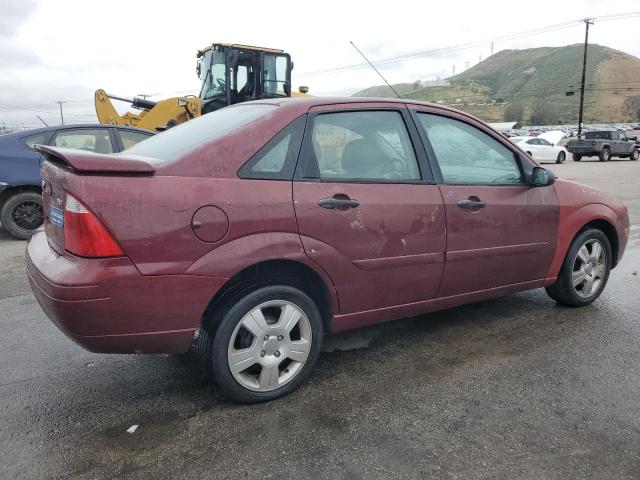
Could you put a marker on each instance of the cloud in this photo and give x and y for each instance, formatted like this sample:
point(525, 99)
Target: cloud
point(14, 14)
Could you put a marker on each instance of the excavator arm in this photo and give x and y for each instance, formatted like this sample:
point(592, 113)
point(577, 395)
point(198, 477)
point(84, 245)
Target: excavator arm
point(153, 116)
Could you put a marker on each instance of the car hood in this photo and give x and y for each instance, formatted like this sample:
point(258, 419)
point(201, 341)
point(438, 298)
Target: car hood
point(553, 136)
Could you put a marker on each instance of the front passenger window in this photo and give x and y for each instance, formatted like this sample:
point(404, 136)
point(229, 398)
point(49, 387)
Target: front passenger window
point(467, 155)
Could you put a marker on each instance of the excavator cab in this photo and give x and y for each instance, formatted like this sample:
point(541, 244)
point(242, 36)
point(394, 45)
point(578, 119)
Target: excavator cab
point(233, 74)
point(230, 74)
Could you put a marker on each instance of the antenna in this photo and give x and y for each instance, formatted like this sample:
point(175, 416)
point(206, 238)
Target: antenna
point(375, 69)
point(45, 123)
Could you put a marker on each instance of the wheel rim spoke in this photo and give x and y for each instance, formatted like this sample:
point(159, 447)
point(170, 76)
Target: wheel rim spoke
point(299, 350)
point(289, 317)
point(256, 323)
point(600, 271)
point(578, 277)
point(583, 254)
point(240, 360)
point(269, 377)
point(587, 285)
point(596, 250)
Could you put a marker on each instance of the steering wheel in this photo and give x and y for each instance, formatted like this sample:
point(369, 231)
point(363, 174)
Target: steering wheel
point(221, 83)
point(394, 168)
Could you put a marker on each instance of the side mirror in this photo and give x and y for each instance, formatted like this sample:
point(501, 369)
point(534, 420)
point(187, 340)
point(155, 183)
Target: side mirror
point(287, 89)
point(541, 177)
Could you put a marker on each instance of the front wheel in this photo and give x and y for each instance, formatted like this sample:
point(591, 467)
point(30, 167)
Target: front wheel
point(605, 155)
point(577, 157)
point(21, 214)
point(561, 157)
point(634, 155)
point(266, 344)
point(585, 270)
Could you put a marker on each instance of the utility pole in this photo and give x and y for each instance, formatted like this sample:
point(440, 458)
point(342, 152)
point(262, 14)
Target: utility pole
point(491, 47)
point(587, 21)
point(61, 116)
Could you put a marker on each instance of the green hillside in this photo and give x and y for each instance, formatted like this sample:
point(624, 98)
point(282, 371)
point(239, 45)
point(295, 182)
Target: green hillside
point(523, 82)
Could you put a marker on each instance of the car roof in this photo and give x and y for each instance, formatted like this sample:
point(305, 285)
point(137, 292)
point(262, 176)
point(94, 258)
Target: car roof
point(310, 101)
point(70, 126)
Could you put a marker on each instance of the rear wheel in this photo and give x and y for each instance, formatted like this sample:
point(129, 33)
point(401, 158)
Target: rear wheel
point(605, 155)
point(577, 157)
point(561, 157)
point(21, 214)
point(634, 155)
point(266, 343)
point(585, 270)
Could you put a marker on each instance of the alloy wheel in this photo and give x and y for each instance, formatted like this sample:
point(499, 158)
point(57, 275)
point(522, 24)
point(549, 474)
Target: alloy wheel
point(27, 214)
point(589, 268)
point(269, 346)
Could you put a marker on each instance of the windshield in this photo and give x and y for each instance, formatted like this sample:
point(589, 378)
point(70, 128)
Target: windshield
point(178, 141)
point(212, 74)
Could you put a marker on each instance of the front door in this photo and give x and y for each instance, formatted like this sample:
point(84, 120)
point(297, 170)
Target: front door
point(500, 230)
point(368, 211)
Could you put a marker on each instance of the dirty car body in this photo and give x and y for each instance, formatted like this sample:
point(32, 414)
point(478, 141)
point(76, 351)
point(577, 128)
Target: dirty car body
point(265, 225)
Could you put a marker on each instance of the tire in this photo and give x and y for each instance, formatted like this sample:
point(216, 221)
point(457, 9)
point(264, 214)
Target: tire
point(561, 157)
point(266, 350)
point(564, 291)
point(605, 155)
point(634, 155)
point(21, 214)
point(577, 157)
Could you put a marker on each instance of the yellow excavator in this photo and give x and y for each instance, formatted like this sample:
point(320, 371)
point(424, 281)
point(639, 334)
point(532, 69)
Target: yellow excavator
point(229, 74)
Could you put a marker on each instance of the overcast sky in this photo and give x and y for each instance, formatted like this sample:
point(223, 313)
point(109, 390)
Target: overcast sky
point(66, 49)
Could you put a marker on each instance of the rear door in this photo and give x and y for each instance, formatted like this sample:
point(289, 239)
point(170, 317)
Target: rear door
point(98, 140)
point(500, 231)
point(368, 210)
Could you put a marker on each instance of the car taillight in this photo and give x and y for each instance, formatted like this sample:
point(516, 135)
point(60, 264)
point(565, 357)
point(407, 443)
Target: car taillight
point(84, 234)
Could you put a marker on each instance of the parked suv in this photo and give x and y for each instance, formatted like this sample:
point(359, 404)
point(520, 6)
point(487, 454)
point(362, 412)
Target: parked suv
point(256, 229)
point(20, 181)
point(603, 144)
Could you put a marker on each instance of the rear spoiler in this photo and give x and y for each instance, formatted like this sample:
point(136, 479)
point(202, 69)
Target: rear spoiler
point(83, 161)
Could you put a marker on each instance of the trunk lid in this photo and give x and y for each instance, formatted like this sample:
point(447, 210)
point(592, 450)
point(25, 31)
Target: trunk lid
point(61, 165)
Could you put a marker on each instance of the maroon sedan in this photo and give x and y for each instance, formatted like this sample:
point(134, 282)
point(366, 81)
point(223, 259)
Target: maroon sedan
point(255, 230)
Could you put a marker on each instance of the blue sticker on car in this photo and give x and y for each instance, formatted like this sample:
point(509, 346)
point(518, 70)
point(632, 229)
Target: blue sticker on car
point(56, 215)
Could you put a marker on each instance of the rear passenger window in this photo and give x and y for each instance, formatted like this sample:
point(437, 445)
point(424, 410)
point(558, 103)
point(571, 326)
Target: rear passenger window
point(94, 140)
point(277, 159)
point(38, 139)
point(363, 146)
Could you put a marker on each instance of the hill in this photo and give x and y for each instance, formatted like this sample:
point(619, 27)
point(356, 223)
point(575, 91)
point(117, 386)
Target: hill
point(532, 84)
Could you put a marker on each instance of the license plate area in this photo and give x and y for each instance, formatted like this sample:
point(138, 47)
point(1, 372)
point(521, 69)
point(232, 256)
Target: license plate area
point(56, 216)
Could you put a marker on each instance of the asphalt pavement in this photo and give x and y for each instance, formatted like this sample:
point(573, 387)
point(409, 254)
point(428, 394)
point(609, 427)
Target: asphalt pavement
point(516, 387)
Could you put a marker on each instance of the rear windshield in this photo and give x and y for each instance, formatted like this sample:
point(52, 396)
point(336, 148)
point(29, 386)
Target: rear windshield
point(177, 141)
point(598, 135)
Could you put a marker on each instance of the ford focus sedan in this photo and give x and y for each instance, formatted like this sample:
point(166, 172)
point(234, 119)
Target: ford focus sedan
point(253, 231)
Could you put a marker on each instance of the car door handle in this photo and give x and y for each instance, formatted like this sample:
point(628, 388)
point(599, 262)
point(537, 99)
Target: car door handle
point(471, 204)
point(340, 203)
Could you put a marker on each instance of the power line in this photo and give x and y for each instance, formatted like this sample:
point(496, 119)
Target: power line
point(465, 46)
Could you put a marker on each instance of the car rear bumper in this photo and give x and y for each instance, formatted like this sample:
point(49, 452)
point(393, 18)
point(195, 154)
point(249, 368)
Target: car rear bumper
point(107, 306)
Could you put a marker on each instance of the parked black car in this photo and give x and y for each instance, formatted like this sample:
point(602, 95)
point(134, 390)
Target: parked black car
point(20, 182)
point(603, 144)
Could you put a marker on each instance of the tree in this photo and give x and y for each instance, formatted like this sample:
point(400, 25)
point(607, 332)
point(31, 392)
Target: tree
point(631, 107)
point(543, 113)
point(514, 112)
